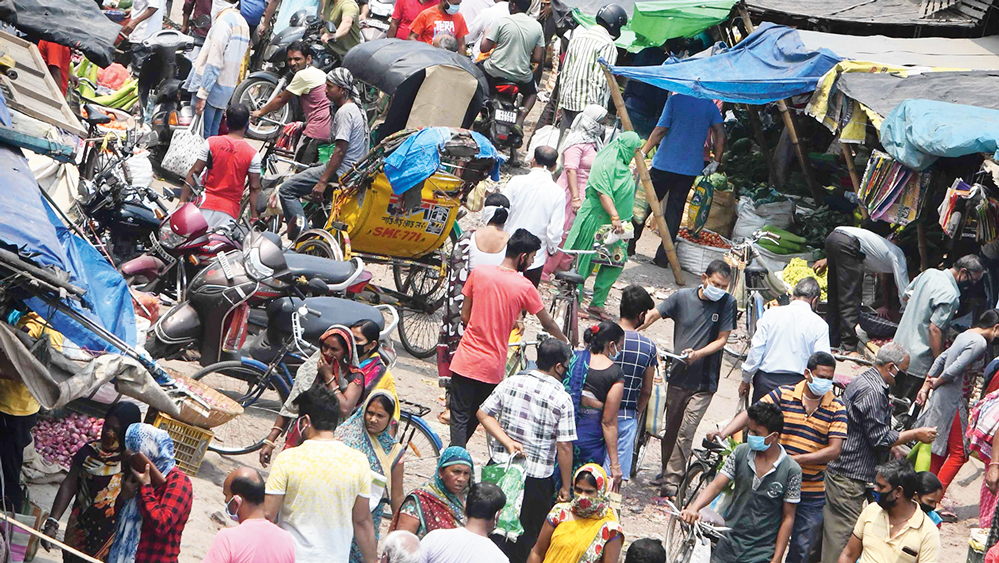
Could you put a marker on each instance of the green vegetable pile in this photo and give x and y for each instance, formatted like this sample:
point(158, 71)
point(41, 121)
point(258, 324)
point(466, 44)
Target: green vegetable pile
point(797, 270)
point(786, 243)
point(817, 226)
point(718, 181)
point(763, 193)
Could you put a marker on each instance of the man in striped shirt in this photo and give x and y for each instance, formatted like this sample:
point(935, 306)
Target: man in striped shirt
point(582, 80)
point(815, 425)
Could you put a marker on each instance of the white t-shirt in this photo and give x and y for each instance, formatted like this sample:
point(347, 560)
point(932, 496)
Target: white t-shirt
point(320, 481)
point(152, 25)
point(460, 546)
point(881, 256)
point(537, 204)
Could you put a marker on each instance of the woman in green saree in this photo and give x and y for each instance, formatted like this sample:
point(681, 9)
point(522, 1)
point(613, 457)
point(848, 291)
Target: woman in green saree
point(610, 197)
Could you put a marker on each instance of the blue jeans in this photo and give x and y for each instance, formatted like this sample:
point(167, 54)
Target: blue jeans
point(291, 193)
point(642, 123)
point(627, 431)
point(807, 524)
point(213, 119)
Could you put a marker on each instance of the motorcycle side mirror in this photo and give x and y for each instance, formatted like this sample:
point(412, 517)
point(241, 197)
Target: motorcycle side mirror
point(318, 287)
point(330, 27)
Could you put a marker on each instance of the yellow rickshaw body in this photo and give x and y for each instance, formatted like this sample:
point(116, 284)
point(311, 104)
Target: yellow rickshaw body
point(378, 224)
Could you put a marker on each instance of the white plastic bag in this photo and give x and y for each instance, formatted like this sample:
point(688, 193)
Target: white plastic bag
point(702, 549)
point(141, 169)
point(655, 411)
point(752, 218)
point(185, 146)
point(547, 136)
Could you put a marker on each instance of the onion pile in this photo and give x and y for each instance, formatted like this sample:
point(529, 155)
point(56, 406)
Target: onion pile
point(57, 441)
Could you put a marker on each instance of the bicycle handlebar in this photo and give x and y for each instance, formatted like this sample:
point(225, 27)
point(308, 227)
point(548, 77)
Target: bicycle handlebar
point(664, 355)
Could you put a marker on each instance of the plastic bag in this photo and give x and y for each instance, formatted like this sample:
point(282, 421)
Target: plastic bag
point(510, 478)
point(700, 204)
point(547, 136)
point(920, 456)
point(752, 218)
point(702, 549)
point(655, 411)
point(185, 146)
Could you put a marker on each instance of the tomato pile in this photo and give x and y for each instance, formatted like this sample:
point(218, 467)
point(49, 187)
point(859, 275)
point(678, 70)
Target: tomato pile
point(704, 238)
point(58, 440)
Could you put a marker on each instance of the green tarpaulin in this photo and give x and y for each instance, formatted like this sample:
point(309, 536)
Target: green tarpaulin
point(653, 23)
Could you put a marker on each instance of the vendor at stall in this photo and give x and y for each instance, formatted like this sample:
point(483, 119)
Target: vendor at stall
point(18, 413)
point(849, 253)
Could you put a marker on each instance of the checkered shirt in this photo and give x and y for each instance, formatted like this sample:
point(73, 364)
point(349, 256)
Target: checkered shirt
point(535, 410)
point(165, 510)
point(637, 355)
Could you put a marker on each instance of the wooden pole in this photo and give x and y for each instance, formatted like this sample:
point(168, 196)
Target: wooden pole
point(854, 176)
point(757, 124)
point(817, 192)
point(54, 541)
point(643, 175)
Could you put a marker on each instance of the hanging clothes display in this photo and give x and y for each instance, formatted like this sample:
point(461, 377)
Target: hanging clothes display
point(890, 191)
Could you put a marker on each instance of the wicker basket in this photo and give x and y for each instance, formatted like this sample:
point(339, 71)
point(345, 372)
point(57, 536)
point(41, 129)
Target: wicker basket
point(221, 409)
point(189, 442)
point(695, 258)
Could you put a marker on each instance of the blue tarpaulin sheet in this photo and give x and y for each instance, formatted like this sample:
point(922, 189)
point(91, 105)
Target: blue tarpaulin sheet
point(30, 224)
point(917, 132)
point(419, 157)
point(769, 65)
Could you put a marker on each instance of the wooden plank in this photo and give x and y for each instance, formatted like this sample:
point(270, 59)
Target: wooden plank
point(33, 91)
point(54, 541)
point(62, 153)
point(968, 11)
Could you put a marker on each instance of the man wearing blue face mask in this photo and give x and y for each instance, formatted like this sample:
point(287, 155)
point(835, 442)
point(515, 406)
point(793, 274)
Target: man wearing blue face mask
point(815, 424)
point(702, 317)
point(256, 539)
point(766, 491)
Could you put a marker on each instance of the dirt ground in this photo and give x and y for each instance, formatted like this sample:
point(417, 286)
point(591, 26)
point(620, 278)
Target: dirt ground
point(417, 381)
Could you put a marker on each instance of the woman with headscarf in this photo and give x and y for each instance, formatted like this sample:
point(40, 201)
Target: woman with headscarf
point(485, 245)
point(584, 530)
point(373, 366)
point(607, 210)
point(585, 138)
point(336, 367)
point(367, 431)
point(93, 483)
point(159, 497)
point(440, 503)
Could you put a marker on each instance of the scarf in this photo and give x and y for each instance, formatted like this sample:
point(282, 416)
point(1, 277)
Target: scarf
point(373, 368)
point(382, 450)
point(342, 77)
point(611, 173)
point(440, 508)
point(158, 447)
point(586, 129)
point(596, 507)
point(579, 366)
point(983, 422)
point(489, 210)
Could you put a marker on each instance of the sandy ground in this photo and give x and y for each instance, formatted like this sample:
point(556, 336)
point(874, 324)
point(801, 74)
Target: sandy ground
point(641, 517)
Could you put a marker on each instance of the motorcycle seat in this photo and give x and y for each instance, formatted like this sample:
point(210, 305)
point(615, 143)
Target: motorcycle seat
point(95, 116)
point(330, 271)
point(332, 310)
point(570, 276)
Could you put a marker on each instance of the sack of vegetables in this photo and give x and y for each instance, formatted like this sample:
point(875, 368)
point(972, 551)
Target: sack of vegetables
point(695, 252)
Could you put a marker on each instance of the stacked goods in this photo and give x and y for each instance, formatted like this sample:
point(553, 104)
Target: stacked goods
point(88, 70)
point(797, 270)
point(782, 242)
point(58, 440)
point(123, 98)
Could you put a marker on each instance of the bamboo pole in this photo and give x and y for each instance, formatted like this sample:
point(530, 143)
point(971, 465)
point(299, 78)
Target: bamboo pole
point(52, 540)
point(817, 192)
point(851, 167)
point(646, 180)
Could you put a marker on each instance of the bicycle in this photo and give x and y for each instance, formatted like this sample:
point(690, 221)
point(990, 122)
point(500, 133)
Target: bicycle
point(518, 361)
point(564, 308)
point(681, 537)
point(756, 285)
point(261, 389)
point(702, 468)
point(641, 448)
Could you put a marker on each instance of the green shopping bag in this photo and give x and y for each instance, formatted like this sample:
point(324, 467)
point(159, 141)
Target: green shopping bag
point(510, 478)
point(919, 457)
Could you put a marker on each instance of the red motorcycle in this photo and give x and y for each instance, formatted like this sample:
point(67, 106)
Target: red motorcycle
point(179, 248)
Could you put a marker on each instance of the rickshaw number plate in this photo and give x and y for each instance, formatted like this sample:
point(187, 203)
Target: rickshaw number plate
point(506, 115)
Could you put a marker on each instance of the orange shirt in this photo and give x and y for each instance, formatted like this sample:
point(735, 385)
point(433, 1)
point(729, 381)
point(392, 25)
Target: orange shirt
point(432, 22)
point(58, 56)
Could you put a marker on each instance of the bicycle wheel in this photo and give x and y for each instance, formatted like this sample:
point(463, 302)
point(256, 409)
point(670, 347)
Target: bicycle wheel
point(679, 540)
point(695, 480)
point(420, 282)
point(419, 331)
point(422, 444)
point(641, 446)
point(563, 312)
point(245, 384)
point(754, 310)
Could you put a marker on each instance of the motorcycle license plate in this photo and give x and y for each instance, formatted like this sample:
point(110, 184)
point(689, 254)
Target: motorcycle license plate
point(161, 252)
point(506, 116)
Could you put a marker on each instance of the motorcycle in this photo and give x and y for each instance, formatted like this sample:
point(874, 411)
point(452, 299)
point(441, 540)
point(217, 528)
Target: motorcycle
point(272, 74)
point(499, 116)
point(119, 218)
point(161, 81)
point(379, 19)
point(180, 245)
point(215, 318)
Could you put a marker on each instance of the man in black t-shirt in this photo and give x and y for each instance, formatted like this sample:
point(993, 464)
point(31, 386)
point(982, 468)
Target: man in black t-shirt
point(702, 317)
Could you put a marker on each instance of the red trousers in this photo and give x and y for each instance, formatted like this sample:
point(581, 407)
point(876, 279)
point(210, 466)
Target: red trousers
point(946, 467)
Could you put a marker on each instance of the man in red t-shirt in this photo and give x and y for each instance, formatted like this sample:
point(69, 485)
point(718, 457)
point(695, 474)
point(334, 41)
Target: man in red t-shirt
point(494, 297)
point(403, 15)
point(442, 18)
point(56, 58)
point(231, 162)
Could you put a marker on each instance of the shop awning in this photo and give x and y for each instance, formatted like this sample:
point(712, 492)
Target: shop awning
point(653, 23)
point(918, 132)
point(966, 54)
point(769, 65)
point(962, 13)
point(882, 93)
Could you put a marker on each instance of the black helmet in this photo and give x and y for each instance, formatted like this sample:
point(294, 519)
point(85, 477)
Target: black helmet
point(612, 18)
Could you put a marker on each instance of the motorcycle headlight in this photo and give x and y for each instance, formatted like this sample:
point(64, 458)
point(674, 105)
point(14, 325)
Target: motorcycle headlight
point(254, 267)
point(169, 239)
point(85, 190)
point(270, 51)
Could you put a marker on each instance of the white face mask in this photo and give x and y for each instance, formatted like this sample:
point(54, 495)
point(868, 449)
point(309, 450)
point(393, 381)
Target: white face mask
point(713, 293)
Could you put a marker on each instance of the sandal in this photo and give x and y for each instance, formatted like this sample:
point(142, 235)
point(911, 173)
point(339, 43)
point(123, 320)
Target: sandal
point(599, 314)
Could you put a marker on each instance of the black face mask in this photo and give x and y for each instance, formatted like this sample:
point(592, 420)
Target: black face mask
point(927, 508)
point(883, 500)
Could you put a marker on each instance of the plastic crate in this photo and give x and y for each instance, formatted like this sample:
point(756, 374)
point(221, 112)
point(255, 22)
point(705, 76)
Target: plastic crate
point(189, 442)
